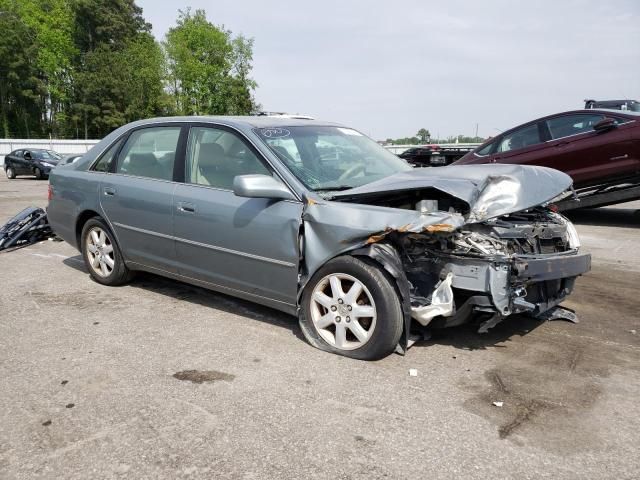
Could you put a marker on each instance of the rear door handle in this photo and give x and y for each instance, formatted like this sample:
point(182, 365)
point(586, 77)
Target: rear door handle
point(109, 191)
point(186, 207)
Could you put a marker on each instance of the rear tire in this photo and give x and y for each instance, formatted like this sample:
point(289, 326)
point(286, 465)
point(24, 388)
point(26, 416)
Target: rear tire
point(11, 174)
point(352, 308)
point(102, 255)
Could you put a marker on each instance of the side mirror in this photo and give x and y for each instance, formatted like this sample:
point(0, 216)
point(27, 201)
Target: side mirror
point(605, 125)
point(260, 186)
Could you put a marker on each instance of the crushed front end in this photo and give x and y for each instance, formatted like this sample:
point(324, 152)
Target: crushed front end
point(525, 263)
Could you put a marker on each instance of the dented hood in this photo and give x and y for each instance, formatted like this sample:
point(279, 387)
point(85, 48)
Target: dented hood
point(490, 190)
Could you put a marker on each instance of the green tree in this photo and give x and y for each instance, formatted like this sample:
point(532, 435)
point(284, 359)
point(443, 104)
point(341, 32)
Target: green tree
point(107, 22)
point(424, 135)
point(120, 70)
point(18, 74)
point(50, 23)
point(208, 68)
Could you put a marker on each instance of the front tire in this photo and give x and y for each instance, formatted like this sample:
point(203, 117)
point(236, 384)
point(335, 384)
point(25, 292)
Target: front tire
point(11, 173)
point(38, 173)
point(102, 255)
point(352, 308)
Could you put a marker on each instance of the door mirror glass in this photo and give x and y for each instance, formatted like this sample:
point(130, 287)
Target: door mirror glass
point(260, 186)
point(605, 125)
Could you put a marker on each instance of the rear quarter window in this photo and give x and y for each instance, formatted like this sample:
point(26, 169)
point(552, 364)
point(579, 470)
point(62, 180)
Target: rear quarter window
point(104, 163)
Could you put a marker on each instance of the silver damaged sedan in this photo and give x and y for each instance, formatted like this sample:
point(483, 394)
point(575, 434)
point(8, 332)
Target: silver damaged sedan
point(317, 220)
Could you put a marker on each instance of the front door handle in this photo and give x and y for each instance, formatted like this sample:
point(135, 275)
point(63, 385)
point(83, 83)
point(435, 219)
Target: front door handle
point(109, 191)
point(186, 207)
point(620, 157)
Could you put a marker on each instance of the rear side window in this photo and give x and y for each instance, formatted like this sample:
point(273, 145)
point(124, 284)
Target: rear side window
point(521, 138)
point(17, 153)
point(568, 125)
point(150, 153)
point(104, 164)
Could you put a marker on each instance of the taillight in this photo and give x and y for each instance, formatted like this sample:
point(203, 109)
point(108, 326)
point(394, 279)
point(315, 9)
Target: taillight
point(50, 193)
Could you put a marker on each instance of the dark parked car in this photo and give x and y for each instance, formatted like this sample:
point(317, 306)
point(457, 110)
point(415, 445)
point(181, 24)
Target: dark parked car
point(30, 161)
point(434, 155)
point(356, 246)
point(592, 146)
point(632, 105)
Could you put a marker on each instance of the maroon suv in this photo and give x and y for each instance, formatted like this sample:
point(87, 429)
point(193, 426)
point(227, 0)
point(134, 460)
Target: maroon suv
point(592, 146)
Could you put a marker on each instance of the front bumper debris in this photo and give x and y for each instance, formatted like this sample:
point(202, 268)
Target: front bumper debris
point(27, 227)
point(530, 284)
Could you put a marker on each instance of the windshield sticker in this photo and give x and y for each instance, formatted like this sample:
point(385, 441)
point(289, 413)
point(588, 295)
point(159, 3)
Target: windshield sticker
point(275, 132)
point(348, 131)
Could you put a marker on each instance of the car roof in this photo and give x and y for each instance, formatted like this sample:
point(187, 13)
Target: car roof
point(242, 122)
point(569, 112)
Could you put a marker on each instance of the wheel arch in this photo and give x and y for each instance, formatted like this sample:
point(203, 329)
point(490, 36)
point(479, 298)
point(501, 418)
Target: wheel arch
point(83, 218)
point(386, 257)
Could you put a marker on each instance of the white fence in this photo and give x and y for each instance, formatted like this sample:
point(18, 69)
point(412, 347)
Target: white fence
point(63, 147)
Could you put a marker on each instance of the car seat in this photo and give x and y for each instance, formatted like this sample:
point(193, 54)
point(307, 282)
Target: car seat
point(145, 165)
point(214, 168)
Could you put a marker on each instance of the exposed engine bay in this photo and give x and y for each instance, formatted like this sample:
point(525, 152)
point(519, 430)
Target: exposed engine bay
point(459, 271)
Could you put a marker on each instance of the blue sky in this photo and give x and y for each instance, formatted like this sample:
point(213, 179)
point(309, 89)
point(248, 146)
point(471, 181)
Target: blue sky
point(390, 68)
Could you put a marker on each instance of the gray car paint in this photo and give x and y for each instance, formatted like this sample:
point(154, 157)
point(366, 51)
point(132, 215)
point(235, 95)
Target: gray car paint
point(257, 255)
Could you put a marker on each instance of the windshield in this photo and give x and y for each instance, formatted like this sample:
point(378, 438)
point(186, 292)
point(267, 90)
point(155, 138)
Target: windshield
point(331, 158)
point(46, 155)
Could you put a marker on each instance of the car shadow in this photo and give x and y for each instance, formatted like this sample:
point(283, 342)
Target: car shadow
point(176, 289)
point(466, 337)
point(606, 217)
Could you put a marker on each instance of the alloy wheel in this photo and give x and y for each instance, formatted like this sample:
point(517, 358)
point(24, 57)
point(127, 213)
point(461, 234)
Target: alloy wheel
point(100, 252)
point(343, 311)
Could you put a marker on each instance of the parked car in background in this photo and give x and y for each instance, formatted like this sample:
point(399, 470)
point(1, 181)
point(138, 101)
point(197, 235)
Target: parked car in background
point(632, 105)
point(355, 245)
point(592, 146)
point(30, 161)
point(435, 155)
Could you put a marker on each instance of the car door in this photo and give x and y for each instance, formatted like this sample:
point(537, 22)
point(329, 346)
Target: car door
point(585, 154)
point(28, 162)
point(21, 163)
point(523, 145)
point(247, 245)
point(137, 195)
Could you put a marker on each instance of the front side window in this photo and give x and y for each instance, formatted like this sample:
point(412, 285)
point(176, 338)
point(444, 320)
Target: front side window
point(216, 156)
point(331, 158)
point(150, 153)
point(486, 150)
point(568, 125)
point(521, 138)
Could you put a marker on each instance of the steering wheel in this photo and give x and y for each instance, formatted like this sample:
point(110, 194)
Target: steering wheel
point(352, 171)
